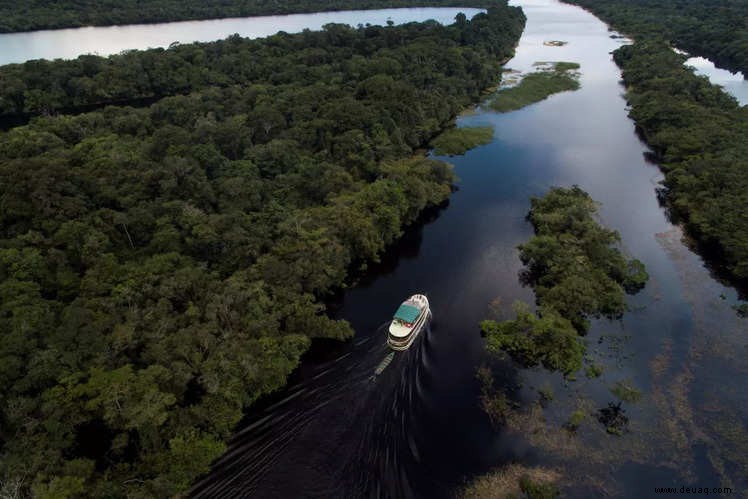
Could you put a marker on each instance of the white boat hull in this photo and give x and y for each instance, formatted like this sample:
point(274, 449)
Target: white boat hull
point(400, 337)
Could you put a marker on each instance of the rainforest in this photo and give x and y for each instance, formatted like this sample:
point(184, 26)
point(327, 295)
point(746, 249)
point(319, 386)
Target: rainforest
point(162, 267)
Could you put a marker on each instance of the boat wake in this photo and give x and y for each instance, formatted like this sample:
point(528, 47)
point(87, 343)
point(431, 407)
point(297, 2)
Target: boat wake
point(368, 431)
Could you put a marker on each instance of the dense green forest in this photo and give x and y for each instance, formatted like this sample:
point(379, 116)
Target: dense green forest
point(45, 87)
point(700, 137)
point(577, 272)
point(51, 14)
point(699, 134)
point(716, 29)
point(162, 267)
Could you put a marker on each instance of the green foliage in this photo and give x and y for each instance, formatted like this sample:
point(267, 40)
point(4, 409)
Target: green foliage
point(546, 339)
point(535, 87)
point(41, 14)
point(546, 394)
point(577, 273)
point(626, 392)
point(537, 490)
point(573, 263)
point(594, 371)
point(457, 141)
point(371, 60)
point(163, 267)
point(698, 132)
point(575, 419)
point(700, 136)
point(718, 31)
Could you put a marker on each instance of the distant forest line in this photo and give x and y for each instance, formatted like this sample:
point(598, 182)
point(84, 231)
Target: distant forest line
point(716, 29)
point(699, 133)
point(32, 15)
point(163, 266)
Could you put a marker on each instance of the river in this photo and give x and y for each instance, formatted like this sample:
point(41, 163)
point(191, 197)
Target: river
point(417, 429)
point(70, 43)
point(734, 84)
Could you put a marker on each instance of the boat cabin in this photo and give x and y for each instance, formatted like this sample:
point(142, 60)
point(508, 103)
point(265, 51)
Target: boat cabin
point(407, 314)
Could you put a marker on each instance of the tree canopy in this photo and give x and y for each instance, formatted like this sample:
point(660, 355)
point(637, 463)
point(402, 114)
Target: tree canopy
point(716, 29)
point(163, 266)
point(700, 136)
point(577, 272)
point(52, 14)
point(699, 133)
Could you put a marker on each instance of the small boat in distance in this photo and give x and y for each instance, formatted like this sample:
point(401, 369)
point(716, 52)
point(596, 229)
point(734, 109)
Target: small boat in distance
point(409, 320)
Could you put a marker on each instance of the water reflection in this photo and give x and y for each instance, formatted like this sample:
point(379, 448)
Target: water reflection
point(733, 83)
point(70, 43)
point(419, 429)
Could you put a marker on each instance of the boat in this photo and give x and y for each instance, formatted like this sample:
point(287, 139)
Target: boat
point(408, 321)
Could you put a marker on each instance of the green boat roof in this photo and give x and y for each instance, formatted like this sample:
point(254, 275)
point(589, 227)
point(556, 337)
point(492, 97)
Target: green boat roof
point(407, 313)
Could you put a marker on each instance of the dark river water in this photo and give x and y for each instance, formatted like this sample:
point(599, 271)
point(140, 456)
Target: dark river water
point(417, 430)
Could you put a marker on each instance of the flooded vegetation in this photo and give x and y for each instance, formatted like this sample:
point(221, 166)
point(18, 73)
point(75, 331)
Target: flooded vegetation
point(603, 387)
point(458, 141)
point(514, 480)
point(548, 78)
point(576, 272)
point(675, 358)
point(165, 267)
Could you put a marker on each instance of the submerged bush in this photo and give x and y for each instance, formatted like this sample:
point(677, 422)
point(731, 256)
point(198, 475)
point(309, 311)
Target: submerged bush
point(577, 272)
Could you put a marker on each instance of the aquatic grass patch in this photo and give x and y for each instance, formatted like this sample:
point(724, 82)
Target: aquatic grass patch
point(575, 419)
point(594, 371)
point(494, 402)
point(626, 391)
point(550, 78)
point(514, 480)
point(458, 141)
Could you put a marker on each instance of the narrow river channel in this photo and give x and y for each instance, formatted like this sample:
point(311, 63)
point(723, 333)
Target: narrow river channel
point(417, 430)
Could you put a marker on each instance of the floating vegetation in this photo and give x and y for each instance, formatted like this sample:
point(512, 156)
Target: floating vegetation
point(546, 394)
point(594, 371)
point(555, 43)
point(575, 419)
point(626, 392)
point(457, 141)
point(742, 310)
point(494, 402)
point(613, 418)
point(515, 480)
point(549, 79)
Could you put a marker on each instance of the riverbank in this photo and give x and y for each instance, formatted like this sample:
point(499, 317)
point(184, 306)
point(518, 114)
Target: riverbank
point(201, 232)
point(419, 428)
point(715, 33)
point(39, 15)
point(697, 132)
